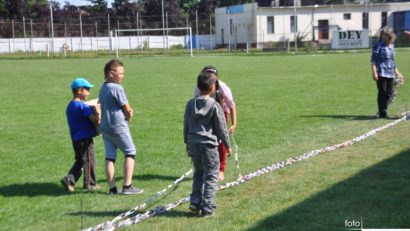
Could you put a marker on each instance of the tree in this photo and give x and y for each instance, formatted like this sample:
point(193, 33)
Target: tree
point(126, 11)
point(98, 6)
point(152, 10)
point(3, 10)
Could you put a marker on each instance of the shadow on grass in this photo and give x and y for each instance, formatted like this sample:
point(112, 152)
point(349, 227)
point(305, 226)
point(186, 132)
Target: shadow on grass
point(344, 117)
point(350, 117)
point(32, 190)
point(98, 213)
point(148, 177)
point(177, 214)
point(379, 196)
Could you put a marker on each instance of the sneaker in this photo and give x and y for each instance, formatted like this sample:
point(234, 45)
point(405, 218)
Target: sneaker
point(113, 191)
point(194, 208)
point(382, 115)
point(132, 190)
point(206, 214)
point(67, 184)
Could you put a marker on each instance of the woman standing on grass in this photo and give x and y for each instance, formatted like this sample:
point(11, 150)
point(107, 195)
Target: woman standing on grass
point(384, 69)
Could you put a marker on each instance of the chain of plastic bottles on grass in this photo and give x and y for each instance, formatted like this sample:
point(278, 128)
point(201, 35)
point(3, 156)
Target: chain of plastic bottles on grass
point(120, 221)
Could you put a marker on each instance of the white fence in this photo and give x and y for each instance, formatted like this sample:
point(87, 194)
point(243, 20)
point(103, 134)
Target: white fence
point(102, 43)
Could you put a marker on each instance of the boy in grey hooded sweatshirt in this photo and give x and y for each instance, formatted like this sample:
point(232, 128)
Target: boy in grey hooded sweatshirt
point(204, 127)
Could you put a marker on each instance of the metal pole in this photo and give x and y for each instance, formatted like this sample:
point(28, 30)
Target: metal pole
point(313, 22)
point(167, 29)
point(52, 26)
point(117, 43)
point(190, 44)
point(295, 25)
point(163, 25)
point(138, 33)
point(24, 32)
point(229, 33)
point(210, 32)
point(197, 38)
point(12, 31)
point(81, 33)
point(96, 35)
point(31, 35)
point(108, 19)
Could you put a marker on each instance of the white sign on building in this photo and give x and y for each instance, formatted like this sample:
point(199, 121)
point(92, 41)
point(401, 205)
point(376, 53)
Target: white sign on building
point(350, 39)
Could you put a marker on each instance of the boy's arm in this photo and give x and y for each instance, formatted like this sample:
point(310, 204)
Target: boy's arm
point(128, 112)
point(186, 127)
point(96, 121)
point(233, 120)
point(220, 127)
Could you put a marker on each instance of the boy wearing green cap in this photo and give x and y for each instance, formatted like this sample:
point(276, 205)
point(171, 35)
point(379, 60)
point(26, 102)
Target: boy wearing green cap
point(82, 123)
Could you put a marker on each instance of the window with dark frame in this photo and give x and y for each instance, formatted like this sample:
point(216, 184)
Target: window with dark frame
point(365, 20)
point(293, 24)
point(270, 24)
point(384, 19)
point(347, 16)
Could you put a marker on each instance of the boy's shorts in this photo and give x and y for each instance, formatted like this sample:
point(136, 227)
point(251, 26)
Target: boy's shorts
point(122, 141)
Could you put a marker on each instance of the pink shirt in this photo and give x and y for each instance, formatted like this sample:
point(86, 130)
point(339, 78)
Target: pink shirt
point(227, 94)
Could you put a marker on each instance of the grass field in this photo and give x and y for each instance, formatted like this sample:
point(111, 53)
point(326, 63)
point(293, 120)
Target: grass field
point(287, 105)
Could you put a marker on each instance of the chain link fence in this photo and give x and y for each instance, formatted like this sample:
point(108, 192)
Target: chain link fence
point(85, 35)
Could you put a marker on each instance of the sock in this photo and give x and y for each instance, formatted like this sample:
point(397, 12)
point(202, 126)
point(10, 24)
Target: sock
point(127, 186)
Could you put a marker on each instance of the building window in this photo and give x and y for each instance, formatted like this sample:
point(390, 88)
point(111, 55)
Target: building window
point(270, 25)
point(384, 19)
point(347, 16)
point(365, 20)
point(230, 26)
point(293, 24)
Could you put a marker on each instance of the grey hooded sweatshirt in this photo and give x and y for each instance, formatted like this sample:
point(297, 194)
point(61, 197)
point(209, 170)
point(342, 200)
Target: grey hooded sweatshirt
point(204, 122)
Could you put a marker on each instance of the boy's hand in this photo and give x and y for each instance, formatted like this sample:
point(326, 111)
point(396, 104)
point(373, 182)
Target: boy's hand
point(128, 112)
point(232, 129)
point(229, 151)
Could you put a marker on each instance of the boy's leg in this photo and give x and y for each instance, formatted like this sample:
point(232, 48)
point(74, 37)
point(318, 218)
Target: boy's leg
point(128, 169)
point(222, 156)
point(110, 156)
point(89, 164)
point(76, 170)
point(222, 161)
point(197, 182)
point(109, 172)
point(210, 163)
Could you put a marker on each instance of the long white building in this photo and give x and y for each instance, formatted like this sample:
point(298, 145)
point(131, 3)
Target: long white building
point(261, 26)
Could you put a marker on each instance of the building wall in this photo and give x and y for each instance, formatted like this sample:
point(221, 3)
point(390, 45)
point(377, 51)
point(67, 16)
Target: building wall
point(250, 23)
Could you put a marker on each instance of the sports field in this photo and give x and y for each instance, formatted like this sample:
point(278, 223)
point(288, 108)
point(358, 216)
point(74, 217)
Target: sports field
point(287, 105)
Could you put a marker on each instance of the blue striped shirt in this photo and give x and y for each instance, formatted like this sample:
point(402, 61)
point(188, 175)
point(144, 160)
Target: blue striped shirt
point(383, 58)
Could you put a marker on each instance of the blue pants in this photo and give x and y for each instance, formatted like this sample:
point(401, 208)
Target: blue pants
point(205, 159)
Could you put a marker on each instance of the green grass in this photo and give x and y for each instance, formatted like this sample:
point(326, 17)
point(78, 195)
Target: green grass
point(287, 105)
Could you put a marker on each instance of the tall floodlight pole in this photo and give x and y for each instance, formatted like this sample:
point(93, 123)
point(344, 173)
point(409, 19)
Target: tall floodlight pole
point(52, 26)
point(81, 31)
point(294, 24)
point(163, 25)
point(313, 22)
point(197, 33)
point(109, 30)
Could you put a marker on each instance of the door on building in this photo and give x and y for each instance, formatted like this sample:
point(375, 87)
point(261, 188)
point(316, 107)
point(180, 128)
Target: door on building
point(323, 27)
